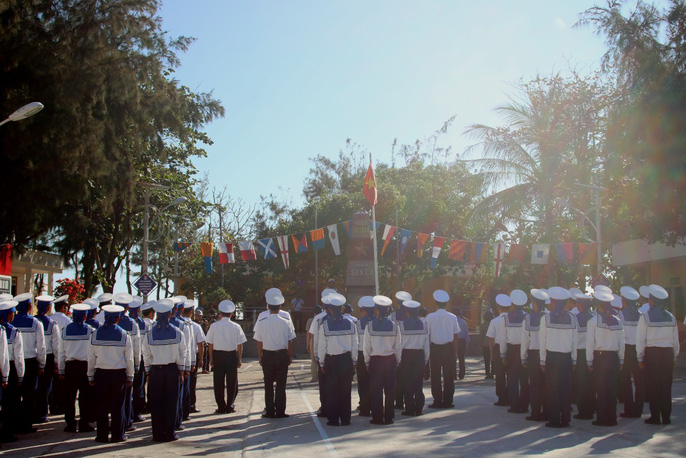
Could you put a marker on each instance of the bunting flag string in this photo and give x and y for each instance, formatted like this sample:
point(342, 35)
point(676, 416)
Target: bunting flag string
point(387, 236)
point(300, 242)
point(283, 248)
point(458, 248)
point(318, 240)
point(333, 238)
point(421, 241)
point(498, 257)
point(247, 249)
point(347, 226)
point(405, 235)
point(479, 252)
point(207, 250)
point(226, 253)
point(438, 245)
point(180, 246)
point(267, 248)
point(540, 253)
point(565, 252)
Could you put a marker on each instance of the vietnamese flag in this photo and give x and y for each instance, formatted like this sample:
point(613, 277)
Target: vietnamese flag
point(369, 189)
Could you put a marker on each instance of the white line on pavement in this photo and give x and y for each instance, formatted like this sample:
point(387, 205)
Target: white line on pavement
point(318, 424)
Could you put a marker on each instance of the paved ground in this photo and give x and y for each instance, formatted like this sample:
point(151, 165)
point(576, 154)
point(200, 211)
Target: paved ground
point(474, 427)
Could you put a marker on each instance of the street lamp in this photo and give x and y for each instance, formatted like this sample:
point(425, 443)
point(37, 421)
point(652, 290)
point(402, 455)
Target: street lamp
point(586, 219)
point(24, 112)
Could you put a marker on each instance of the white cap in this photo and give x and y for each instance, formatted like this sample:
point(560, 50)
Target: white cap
point(275, 299)
point(122, 298)
point(6, 305)
point(582, 296)
point(629, 293)
point(336, 300)
point(5, 297)
point(645, 291)
point(227, 306)
point(382, 301)
point(616, 301)
point(61, 299)
point(503, 300)
point(573, 292)
point(658, 292)
point(147, 306)
point(105, 297)
point(411, 304)
point(80, 307)
point(163, 306)
point(92, 302)
point(22, 297)
point(602, 288)
point(198, 312)
point(179, 299)
point(558, 293)
point(272, 292)
point(441, 296)
point(136, 302)
point(366, 302)
point(603, 296)
point(328, 291)
point(45, 298)
point(540, 294)
point(112, 308)
point(518, 297)
point(189, 304)
point(403, 296)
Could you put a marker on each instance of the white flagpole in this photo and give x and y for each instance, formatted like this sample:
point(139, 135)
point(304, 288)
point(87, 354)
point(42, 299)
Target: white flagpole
point(376, 259)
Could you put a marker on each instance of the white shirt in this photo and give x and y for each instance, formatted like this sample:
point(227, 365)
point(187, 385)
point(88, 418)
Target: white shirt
point(416, 340)
point(100, 316)
point(581, 334)
point(562, 340)
point(274, 332)
point(52, 338)
point(601, 337)
point(192, 344)
point(297, 303)
point(336, 342)
point(15, 349)
point(33, 341)
point(186, 330)
point(507, 334)
point(61, 319)
point(4, 357)
point(382, 343)
point(492, 331)
point(530, 339)
point(135, 343)
point(630, 328)
point(644, 308)
point(443, 327)
point(314, 330)
point(282, 313)
point(662, 335)
point(351, 318)
point(168, 351)
point(110, 357)
point(198, 333)
point(148, 324)
point(73, 348)
point(225, 335)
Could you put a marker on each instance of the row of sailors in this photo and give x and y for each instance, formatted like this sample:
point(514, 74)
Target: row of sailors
point(106, 360)
point(545, 358)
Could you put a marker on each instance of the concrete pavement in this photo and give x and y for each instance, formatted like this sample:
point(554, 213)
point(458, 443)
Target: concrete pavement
point(474, 427)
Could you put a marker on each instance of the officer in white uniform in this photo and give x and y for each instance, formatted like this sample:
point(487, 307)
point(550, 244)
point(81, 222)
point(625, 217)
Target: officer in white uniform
point(164, 354)
point(110, 371)
point(444, 335)
point(185, 387)
point(197, 353)
point(657, 347)
point(60, 305)
point(103, 300)
point(494, 334)
point(73, 371)
point(138, 388)
point(531, 357)
point(397, 316)
point(337, 353)
point(225, 339)
point(366, 304)
point(131, 327)
point(274, 338)
point(510, 335)
point(632, 396)
point(51, 331)
point(582, 387)
point(415, 341)
point(11, 395)
point(314, 331)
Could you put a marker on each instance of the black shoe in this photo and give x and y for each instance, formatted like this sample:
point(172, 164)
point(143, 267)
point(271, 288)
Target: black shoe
point(564, 424)
point(389, 422)
point(175, 437)
point(553, 425)
point(187, 418)
point(138, 419)
point(407, 414)
point(131, 428)
point(533, 418)
point(194, 410)
point(266, 415)
point(283, 415)
point(652, 421)
point(500, 404)
point(448, 406)
point(365, 414)
point(625, 415)
point(86, 429)
point(345, 423)
point(376, 422)
point(598, 423)
point(230, 410)
point(333, 423)
point(219, 411)
point(667, 422)
point(69, 429)
point(122, 439)
point(103, 440)
point(435, 406)
point(321, 415)
point(180, 428)
point(583, 417)
point(418, 414)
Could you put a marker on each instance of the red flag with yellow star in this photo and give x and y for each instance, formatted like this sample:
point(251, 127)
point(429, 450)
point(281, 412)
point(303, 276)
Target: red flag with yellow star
point(369, 189)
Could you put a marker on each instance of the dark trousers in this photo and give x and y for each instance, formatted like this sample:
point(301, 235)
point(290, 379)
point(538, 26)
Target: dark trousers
point(275, 371)
point(500, 381)
point(632, 396)
point(442, 360)
point(194, 380)
point(605, 374)
point(583, 383)
point(206, 358)
point(56, 398)
point(76, 380)
point(558, 380)
point(413, 365)
point(163, 386)
point(139, 391)
point(128, 406)
point(43, 389)
point(339, 371)
point(487, 360)
point(659, 363)
point(28, 394)
point(110, 388)
point(517, 382)
point(461, 350)
point(225, 376)
point(539, 408)
point(382, 370)
point(363, 386)
point(321, 382)
point(400, 381)
point(186, 397)
point(11, 401)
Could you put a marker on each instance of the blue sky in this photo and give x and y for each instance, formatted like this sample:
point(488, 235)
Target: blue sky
point(297, 78)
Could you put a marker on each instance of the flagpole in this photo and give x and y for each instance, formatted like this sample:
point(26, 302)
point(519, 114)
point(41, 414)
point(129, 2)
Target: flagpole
point(376, 255)
point(316, 261)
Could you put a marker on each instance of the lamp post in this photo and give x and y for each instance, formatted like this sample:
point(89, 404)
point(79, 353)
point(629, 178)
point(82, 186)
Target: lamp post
point(586, 219)
point(24, 112)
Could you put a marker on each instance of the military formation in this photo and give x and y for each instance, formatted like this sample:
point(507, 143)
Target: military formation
point(549, 349)
point(107, 355)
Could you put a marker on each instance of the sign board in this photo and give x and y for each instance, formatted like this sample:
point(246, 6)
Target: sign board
point(600, 279)
point(5, 284)
point(145, 284)
point(360, 267)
